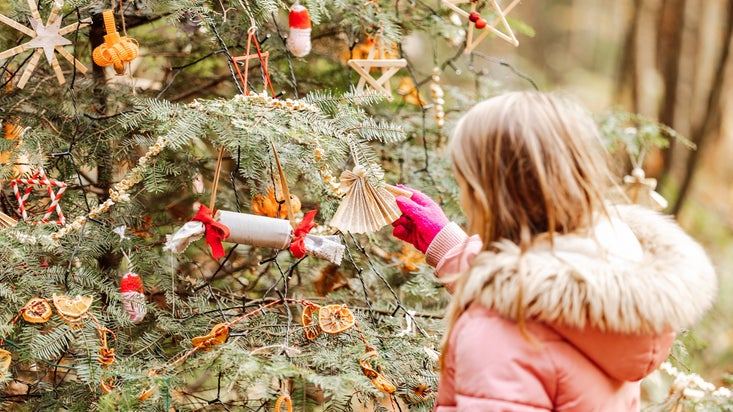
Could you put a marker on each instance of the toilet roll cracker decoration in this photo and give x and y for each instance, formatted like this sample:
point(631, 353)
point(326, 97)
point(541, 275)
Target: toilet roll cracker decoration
point(47, 40)
point(259, 231)
point(116, 51)
point(375, 59)
point(365, 208)
point(299, 39)
point(477, 22)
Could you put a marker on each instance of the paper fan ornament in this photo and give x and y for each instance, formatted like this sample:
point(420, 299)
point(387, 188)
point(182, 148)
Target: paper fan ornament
point(365, 208)
point(46, 39)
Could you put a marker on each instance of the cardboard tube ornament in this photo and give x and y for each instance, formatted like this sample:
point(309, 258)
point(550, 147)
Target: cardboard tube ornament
point(258, 231)
point(299, 39)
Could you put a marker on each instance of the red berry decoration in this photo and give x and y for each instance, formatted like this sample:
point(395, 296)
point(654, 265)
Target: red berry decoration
point(480, 23)
point(473, 17)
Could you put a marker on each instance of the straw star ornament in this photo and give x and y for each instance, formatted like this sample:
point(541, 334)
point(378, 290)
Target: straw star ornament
point(46, 39)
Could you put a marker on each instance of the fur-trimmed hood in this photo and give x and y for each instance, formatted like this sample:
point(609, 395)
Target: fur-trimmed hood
point(637, 273)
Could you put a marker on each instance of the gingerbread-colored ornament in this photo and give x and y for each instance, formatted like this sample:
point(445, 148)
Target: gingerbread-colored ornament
point(335, 319)
point(37, 310)
point(218, 335)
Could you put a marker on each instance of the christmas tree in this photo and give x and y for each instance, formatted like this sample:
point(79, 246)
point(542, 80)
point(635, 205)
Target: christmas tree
point(125, 121)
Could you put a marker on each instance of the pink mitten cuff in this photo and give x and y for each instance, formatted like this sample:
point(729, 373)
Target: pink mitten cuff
point(449, 237)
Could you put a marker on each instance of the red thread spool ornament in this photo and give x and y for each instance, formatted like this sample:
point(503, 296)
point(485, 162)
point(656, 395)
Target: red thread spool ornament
point(299, 39)
point(133, 297)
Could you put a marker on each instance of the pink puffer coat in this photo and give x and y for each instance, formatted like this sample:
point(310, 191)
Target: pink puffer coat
point(602, 309)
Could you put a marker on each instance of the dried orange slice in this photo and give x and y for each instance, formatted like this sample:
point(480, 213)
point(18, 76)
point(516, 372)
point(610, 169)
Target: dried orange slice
point(374, 374)
point(5, 359)
point(335, 319)
point(218, 335)
point(37, 310)
point(310, 327)
point(284, 399)
point(72, 309)
point(106, 356)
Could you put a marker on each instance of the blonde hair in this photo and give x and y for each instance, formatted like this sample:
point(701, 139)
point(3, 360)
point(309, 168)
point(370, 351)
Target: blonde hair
point(528, 164)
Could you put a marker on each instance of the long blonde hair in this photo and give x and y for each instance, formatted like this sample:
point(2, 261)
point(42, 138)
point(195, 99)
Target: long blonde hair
point(528, 164)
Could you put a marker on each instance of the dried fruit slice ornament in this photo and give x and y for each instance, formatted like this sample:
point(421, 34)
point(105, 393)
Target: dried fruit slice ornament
point(335, 319)
point(218, 335)
point(284, 400)
point(72, 309)
point(310, 327)
point(5, 359)
point(37, 310)
point(374, 374)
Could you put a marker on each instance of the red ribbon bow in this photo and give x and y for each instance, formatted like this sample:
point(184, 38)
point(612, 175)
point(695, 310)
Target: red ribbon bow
point(215, 232)
point(297, 246)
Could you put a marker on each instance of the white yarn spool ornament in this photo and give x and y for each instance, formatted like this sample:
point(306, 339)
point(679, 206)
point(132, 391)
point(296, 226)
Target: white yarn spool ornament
point(299, 39)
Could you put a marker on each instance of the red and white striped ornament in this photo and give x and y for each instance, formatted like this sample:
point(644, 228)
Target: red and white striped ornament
point(299, 39)
point(133, 297)
point(39, 179)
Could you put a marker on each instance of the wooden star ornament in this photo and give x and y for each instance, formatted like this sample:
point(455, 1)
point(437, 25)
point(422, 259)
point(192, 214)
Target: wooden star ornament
point(263, 57)
point(389, 68)
point(46, 39)
point(475, 21)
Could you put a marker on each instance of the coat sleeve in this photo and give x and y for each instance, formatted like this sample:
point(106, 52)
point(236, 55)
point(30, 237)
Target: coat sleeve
point(452, 251)
point(496, 368)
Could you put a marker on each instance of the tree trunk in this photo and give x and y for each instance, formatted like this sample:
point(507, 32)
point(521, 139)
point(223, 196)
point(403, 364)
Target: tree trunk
point(702, 130)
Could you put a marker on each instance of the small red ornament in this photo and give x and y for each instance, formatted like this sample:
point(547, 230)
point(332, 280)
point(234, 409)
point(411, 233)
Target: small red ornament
point(480, 23)
point(133, 297)
point(473, 16)
point(299, 40)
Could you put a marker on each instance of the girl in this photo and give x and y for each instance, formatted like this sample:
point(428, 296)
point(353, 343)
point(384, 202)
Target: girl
point(562, 302)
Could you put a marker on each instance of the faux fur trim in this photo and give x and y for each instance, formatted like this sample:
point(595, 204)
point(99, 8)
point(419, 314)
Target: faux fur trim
point(670, 287)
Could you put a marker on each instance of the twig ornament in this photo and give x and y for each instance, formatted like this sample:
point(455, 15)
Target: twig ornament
point(46, 39)
point(364, 207)
point(263, 57)
point(475, 21)
point(116, 51)
point(376, 58)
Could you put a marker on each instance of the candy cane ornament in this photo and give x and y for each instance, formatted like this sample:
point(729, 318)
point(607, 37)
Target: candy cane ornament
point(39, 180)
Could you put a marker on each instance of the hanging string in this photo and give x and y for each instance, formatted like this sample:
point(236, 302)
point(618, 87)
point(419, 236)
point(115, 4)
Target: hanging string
point(217, 174)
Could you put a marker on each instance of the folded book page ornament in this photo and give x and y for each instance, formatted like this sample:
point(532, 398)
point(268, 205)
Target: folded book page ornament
point(365, 208)
point(477, 22)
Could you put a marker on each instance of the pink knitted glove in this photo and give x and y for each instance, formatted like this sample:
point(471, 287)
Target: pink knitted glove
point(422, 219)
